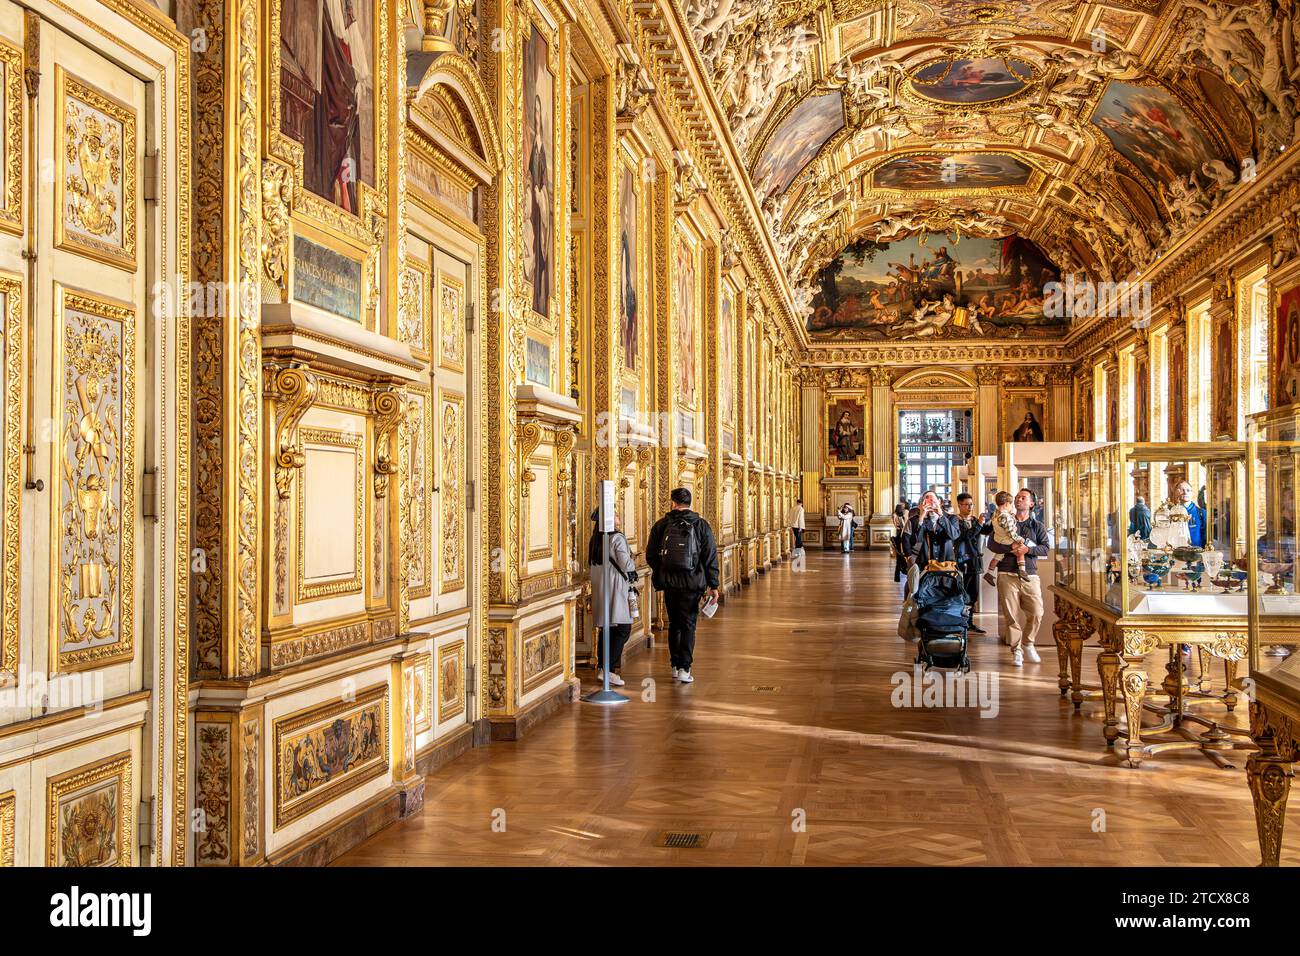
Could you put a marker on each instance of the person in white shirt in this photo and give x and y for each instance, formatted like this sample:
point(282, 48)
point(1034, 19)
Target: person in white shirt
point(795, 522)
point(846, 516)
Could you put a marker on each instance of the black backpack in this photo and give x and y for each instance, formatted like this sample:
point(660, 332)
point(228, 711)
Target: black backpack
point(681, 548)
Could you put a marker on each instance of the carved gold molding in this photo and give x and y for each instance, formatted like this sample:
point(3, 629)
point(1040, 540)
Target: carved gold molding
point(295, 390)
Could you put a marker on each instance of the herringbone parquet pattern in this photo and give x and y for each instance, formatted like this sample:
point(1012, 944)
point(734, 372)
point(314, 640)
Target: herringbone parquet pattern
point(825, 771)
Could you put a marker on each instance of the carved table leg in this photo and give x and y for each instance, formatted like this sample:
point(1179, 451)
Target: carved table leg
point(1133, 685)
point(1059, 629)
point(1203, 658)
point(1108, 664)
point(1269, 776)
point(1074, 640)
point(1230, 692)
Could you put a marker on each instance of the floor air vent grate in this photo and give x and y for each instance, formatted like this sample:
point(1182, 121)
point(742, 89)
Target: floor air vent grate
point(676, 840)
point(767, 688)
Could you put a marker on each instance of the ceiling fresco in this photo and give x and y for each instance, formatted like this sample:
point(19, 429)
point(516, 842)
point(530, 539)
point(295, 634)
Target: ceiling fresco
point(1093, 133)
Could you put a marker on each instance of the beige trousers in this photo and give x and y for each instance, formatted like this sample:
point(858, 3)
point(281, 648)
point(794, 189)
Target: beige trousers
point(1020, 608)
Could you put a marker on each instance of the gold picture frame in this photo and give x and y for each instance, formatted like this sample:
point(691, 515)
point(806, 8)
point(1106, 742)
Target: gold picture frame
point(451, 656)
point(305, 590)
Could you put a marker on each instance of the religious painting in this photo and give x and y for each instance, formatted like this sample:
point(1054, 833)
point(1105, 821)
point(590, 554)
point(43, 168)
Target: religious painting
point(1142, 399)
point(1024, 416)
point(910, 289)
point(798, 139)
point(727, 357)
point(1178, 391)
point(327, 96)
point(1225, 380)
point(627, 272)
point(1151, 129)
point(684, 323)
point(539, 171)
point(537, 363)
point(967, 82)
point(1286, 349)
point(847, 430)
point(935, 171)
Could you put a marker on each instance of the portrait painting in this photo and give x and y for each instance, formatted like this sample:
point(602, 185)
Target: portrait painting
point(935, 171)
point(627, 270)
point(684, 322)
point(1225, 380)
point(846, 431)
point(1286, 350)
point(1024, 416)
point(727, 357)
point(1112, 404)
point(984, 288)
point(962, 82)
point(1177, 391)
point(327, 94)
point(1151, 129)
point(1142, 399)
point(1083, 424)
point(798, 139)
point(750, 387)
point(539, 170)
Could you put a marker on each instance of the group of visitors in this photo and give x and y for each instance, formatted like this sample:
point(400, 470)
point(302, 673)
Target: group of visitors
point(931, 533)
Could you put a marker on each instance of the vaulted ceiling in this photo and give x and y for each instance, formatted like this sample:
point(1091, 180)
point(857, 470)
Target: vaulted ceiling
point(1099, 131)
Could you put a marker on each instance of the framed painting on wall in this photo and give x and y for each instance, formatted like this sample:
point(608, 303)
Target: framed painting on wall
point(684, 322)
point(539, 170)
point(846, 434)
point(1286, 349)
point(1023, 416)
point(627, 267)
point(327, 94)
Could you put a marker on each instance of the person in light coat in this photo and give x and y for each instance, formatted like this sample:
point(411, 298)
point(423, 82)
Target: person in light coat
point(795, 522)
point(612, 579)
point(846, 515)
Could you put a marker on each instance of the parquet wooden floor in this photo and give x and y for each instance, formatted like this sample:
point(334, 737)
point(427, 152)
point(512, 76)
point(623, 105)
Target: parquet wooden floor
point(872, 783)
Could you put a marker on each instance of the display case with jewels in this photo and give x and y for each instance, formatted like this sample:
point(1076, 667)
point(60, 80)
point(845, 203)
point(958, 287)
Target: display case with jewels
point(1273, 443)
point(1152, 560)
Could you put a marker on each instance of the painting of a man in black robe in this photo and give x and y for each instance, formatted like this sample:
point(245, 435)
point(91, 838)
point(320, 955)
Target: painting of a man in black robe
point(327, 94)
point(539, 122)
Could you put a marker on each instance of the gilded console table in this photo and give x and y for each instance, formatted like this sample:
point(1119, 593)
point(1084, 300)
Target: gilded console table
point(1126, 642)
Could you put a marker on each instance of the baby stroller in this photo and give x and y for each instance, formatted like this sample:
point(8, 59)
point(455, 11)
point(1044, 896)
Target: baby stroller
point(941, 618)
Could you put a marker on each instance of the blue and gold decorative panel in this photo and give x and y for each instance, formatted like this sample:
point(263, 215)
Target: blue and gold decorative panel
point(543, 657)
point(326, 751)
point(95, 148)
point(451, 680)
point(89, 815)
point(93, 520)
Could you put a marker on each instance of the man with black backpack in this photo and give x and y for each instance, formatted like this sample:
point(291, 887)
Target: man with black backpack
point(683, 555)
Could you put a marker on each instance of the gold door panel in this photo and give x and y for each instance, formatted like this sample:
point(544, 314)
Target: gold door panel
point(94, 492)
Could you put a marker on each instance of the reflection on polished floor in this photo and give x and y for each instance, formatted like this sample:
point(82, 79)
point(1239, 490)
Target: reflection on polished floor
point(791, 711)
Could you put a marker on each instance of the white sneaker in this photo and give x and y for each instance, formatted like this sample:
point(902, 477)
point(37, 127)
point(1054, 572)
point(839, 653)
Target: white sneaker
point(685, 676)
point(1017, 658)
point(677, 672)
point(614, 679)
point(1032, 653)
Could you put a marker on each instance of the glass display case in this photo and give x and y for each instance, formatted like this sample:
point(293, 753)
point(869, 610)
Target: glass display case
point(1273, 442)
point(1151, 556)
point(1154, 529)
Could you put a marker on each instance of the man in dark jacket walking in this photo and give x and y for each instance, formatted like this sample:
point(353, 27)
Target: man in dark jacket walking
point(683, 555)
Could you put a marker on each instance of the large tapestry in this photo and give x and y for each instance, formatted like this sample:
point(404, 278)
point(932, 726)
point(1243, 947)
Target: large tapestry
point(327, 99)
point(912, 289)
